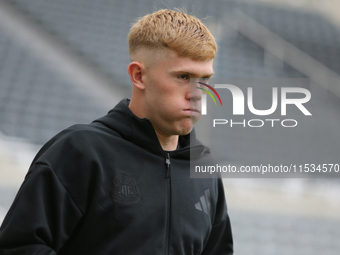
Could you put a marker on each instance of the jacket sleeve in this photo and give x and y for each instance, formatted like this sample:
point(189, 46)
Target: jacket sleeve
point(42, 216)
point(220, 241)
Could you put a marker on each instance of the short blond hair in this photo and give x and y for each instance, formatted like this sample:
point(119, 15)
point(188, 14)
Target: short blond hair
point(166, 29)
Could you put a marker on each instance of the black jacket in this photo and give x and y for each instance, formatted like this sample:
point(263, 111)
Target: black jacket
point(109, 188)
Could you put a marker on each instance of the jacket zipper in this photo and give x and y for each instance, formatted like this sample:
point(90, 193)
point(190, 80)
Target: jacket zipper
point(168, 176)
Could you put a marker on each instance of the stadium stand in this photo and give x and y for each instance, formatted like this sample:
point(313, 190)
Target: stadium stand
point(37, 101)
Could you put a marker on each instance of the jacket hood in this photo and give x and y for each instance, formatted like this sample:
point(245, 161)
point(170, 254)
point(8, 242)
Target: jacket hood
point(141, 132)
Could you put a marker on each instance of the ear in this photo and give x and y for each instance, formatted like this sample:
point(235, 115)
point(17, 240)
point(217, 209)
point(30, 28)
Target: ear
point(136, 71)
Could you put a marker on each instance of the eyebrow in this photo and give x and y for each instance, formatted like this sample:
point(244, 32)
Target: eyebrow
point(192, 74)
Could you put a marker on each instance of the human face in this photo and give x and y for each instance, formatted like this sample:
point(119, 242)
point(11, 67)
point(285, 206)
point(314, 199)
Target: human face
point(171, 104)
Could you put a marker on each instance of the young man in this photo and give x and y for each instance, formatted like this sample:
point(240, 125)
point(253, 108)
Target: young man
point(121, 185)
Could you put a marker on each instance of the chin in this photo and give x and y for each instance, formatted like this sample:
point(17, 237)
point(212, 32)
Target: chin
point(185, 131)
point(186, 127)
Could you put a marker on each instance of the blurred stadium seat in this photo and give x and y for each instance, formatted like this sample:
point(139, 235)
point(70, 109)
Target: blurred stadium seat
point(37, 101)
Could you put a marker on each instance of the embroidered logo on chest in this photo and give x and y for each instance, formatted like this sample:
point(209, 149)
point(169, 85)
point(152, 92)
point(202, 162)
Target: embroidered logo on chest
point(125, 190)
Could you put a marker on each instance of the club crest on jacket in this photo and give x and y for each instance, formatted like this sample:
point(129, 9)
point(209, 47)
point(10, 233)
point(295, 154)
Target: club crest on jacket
point(125, 190)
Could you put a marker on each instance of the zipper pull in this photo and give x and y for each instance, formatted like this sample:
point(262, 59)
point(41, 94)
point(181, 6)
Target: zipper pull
point(167, 162)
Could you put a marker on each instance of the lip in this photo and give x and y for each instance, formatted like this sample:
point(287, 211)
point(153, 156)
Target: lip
point(192, 112)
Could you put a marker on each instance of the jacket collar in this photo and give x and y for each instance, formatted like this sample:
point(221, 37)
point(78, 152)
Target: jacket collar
point(139, 131)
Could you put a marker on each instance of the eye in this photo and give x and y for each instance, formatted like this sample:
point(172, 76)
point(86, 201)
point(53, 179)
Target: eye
point(184, 77)
point(204, 79)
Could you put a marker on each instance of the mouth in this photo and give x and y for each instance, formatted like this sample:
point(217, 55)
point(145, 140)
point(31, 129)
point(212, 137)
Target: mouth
point(193, 111)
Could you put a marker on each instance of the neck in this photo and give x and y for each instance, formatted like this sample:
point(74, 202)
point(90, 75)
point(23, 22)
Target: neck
point(168, 143)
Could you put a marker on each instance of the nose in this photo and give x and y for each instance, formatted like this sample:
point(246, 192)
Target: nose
point(194, 94)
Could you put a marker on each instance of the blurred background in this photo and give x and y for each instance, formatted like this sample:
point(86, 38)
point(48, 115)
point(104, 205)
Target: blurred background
point(64, 62)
